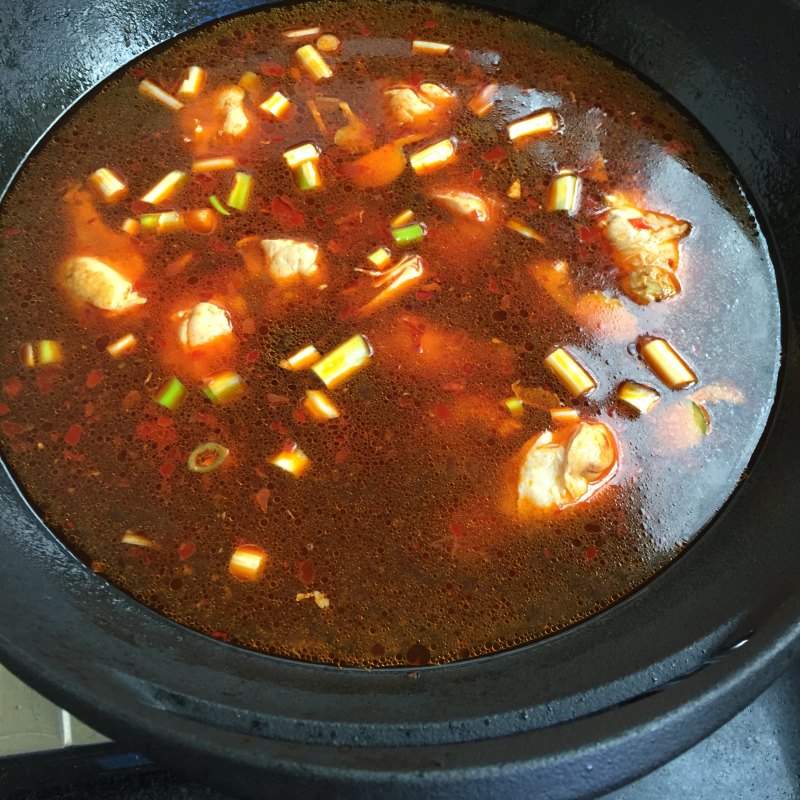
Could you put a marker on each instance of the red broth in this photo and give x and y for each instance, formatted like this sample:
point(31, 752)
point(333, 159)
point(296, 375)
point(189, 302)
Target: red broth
point(405, 540)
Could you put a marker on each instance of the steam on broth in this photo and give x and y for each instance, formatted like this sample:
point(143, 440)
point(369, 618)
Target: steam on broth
point(376, 334)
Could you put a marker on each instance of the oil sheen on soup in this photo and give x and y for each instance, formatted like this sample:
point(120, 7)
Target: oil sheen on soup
point(378, 334)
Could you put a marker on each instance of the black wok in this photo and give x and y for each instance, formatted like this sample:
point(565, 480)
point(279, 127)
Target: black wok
point(571, 716)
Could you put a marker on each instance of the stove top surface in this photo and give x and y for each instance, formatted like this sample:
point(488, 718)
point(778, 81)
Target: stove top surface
point(46, 754)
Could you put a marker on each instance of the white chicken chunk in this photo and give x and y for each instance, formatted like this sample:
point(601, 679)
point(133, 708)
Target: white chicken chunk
point(289, 260)
point(558, 471)
point(202, 324)
point(94, 282)
point(645, 245)
point(462, 204)
point(406, 106)
point(230, 101)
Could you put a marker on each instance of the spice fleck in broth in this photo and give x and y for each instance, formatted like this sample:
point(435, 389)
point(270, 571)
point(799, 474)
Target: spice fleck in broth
point(378, 334)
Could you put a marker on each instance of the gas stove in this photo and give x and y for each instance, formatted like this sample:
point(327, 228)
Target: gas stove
point(47, 754)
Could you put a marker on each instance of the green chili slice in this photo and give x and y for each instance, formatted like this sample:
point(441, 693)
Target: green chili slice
point(207, 457)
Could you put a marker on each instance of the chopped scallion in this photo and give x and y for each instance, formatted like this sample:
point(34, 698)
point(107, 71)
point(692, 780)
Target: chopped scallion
point(564, 193)
point(130, 226)
point(577, 381)
point(515, 406)
point(214, 164)
point(409, 233)
point(402, 218)
point(522, 229)
point(313, 63)
point(248, 562)
point(240, 191)
point(421, 47)
point(701, 417)
point(291, 459)
point(308, 176)
point(398, 280)
point(207, 457)
point(166, 188)
point(165, 222)
point(108, 185)
point(192, 84)
point(277, 105)
point(149, 89)
point(302, 33)
point(304, 152)
point(171, 394)
point(302, 359)
point(343, 362)
point(379, 257)
point(28, 356)
point(122, 346)
point(49, 352)
point(137, 540)
point(538, 124)
point(637, 395)
point(217, 205)
point(564, 416)
point(665, 362)
point(223, 387)
point(433, 157)
point(320, 406)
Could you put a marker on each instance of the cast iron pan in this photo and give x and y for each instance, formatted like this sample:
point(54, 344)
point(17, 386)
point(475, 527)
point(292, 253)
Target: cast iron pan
point(571, 716)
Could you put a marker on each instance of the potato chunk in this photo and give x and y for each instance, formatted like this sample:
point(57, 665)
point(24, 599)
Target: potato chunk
point(563, 468)
point(94, 282)
point(289, 260)
point(202, 324)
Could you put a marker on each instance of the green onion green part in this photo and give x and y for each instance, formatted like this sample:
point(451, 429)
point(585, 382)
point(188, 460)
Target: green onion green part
point(223, 387)
point(240, 191)
point(701, 417)
point(216, 205)
point(307, 176)
point(207, 457)
point(49, 352)
point(408, 233)
point(171, 394)
point(149, 222)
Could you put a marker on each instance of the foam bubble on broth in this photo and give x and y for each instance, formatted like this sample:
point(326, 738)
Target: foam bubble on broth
point(399, 515)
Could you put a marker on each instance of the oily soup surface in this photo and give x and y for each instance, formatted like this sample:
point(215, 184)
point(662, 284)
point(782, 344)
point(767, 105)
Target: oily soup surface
point(406, 522)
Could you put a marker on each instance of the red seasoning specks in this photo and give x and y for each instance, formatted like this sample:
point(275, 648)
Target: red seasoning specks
point(95, 378)
point(73, 436)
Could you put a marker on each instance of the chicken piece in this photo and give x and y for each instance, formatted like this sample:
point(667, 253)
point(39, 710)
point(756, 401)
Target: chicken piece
point(202, 324)
point(590, 454)
point(407, 107)
point(289, 261)
point(462, 204)
point(230, 102)
point(565, 467)
point(94, 282)
point(645, 248)
point(91, 236)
